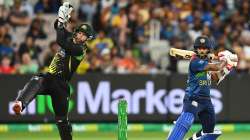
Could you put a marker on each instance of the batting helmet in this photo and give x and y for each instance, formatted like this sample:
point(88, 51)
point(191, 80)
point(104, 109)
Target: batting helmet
point(85, 28)
point(202, 41)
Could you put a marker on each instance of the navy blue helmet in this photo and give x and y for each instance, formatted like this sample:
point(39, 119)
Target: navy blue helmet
point(202, 41)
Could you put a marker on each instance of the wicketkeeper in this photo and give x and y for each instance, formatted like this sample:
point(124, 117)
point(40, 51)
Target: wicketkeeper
point(197, 100)
point(64, 64)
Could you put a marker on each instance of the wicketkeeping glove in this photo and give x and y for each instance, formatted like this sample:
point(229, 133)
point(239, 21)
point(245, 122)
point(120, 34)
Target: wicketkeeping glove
point(64, 12)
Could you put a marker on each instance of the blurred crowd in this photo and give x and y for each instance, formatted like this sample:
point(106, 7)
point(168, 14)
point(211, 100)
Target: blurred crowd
point(132, 36)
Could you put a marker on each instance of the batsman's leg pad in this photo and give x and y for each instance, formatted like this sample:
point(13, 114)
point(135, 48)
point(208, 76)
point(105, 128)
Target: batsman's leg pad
point(181, 127)
point(64, 127)
point(30, 90)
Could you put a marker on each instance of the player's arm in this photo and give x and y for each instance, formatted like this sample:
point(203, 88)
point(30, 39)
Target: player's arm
point(65, 42)
point(61, 22)
point(232, 61)
point(62, 34)
point(218, 76)
point(225, 58)
point(213, 69)
point(198, 65)
point(215, 66)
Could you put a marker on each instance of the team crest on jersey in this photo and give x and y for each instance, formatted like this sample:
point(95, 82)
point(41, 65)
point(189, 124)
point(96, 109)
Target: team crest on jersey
point(201, 61)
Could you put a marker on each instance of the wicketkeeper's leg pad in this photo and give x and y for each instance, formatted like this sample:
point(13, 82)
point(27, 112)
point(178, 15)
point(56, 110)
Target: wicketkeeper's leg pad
point(30, 90)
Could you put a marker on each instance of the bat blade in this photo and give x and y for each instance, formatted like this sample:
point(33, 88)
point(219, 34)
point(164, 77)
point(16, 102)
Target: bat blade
point(179, 53)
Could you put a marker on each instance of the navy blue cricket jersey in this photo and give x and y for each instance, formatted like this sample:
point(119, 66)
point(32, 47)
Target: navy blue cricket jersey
point(199, 80)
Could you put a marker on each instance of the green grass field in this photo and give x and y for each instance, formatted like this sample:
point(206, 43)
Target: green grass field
point(107, 136)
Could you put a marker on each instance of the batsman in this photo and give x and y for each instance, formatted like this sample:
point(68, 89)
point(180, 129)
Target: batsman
point(64, 64)
point(197, 101)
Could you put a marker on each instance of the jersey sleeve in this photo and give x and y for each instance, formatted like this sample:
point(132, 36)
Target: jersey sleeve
point(61, 33)
point(198, 65)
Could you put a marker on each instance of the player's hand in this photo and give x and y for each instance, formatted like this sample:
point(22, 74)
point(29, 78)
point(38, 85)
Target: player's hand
point(230, 58)
point(230, 63)
point(64, 12)
point(233, 57)
point(223, 58)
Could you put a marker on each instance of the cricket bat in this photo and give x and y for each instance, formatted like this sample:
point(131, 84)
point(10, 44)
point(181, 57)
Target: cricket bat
point(179, 53)
point(186, 54)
